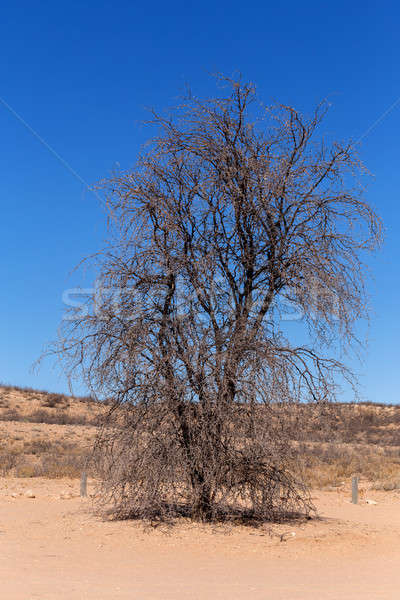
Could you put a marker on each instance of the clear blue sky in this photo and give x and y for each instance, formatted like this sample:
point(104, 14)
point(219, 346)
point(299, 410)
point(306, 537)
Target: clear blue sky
point(82, 73)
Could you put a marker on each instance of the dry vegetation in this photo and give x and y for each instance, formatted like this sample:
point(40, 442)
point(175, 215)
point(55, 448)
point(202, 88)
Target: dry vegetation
point(45, 434)
point(346, 439)
point(51, 435)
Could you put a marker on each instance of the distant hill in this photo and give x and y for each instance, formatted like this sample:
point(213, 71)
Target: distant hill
point(45, 434)
point(51, 435)
point(37, 406)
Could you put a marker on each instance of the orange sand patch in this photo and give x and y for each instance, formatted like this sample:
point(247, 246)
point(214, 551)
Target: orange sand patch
point(56, 548)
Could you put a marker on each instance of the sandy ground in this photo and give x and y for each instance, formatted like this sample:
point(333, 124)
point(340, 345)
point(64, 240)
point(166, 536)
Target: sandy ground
point(54, 547)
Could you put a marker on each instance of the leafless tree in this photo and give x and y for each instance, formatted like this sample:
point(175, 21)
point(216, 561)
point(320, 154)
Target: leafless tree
point(233, 212)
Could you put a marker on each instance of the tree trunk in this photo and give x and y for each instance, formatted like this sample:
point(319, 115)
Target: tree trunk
point(202, 509)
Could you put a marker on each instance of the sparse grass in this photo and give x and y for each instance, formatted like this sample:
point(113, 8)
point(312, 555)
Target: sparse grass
point(11, 414)
point(331, 464)
point(335, 442)
point(60, 417)
point(363, 423)
point(8, 462)
point(42, 416)
point(30, 406)
point(43, 458)
point(50, 396)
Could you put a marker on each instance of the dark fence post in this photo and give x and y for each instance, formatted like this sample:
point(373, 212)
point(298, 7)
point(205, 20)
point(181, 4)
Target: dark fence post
point(354, 490)
point(84, 484)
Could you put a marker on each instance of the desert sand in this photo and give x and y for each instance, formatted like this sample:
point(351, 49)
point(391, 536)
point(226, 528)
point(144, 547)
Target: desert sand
point(53, 546)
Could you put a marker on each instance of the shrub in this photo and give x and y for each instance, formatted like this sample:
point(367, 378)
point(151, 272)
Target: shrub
point(53, 400)
point(8, 462)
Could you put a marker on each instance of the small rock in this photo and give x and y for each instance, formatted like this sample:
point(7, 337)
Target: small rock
point(371, 502)
point(14, 495)
point(66, 496)
point(29, 494)
point(285, 536)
